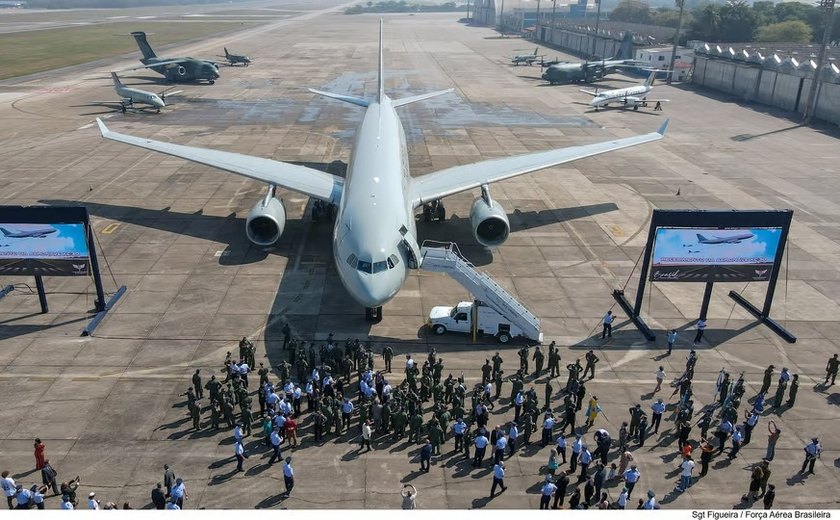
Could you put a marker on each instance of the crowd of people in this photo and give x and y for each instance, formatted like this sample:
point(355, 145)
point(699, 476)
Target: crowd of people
point(343, 392)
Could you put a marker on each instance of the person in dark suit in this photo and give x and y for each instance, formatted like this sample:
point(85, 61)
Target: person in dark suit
point(158, 497)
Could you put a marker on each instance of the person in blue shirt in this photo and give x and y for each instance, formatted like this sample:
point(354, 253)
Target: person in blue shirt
point(672, 338)
point(288, 475)
point(501, 444)
point(179, 492)
point(546, 492)
point(426, 456)
point(513, 434)
point(458, 430)
point(658, 409)
point(346, 413)
point(631, 477)
point(585, 460)
point(498, 478)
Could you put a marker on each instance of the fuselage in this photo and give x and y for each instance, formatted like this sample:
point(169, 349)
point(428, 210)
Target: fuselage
point(618, 95)
point(367, 243)
point(190, 69)
point(140, 96)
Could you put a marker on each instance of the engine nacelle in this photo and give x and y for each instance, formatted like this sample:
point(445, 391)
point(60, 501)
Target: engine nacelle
point(266, 222)
point(181, 70)
point(489, 222)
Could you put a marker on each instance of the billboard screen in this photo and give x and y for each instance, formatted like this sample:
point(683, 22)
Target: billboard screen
point(697, 254)
point(44, 249)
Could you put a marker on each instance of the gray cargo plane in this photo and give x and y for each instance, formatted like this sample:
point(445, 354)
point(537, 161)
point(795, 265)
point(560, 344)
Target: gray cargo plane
point(375, 236)
point(32, 233)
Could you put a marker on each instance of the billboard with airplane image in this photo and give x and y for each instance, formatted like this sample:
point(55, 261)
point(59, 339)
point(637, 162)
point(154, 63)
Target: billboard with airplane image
point(51, 249)
point(702, 254)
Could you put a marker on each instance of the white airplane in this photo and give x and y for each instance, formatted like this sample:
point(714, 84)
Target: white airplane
point(31, 233)
point(130, 96)
point(629, 97)
point(734, 239)
point(374, 239)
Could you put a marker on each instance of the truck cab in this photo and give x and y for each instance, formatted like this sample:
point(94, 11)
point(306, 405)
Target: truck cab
point(460, 318)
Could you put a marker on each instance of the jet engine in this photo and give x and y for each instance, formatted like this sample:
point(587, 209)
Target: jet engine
point(489, 220)
point(181, 70)
point(266, 221)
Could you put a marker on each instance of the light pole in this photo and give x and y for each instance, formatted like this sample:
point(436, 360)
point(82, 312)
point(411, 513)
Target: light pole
point(680, 3)
point(502, 19)
point(537, 26)
point(595, 38)
point(811, 106)
point(553, 13)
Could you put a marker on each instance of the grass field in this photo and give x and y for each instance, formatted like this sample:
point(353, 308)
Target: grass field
point(36, 51)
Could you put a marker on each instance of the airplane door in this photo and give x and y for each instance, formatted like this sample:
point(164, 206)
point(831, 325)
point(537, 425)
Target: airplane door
point(412, 250)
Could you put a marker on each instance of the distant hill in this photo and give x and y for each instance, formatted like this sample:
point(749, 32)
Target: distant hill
point(112, 4)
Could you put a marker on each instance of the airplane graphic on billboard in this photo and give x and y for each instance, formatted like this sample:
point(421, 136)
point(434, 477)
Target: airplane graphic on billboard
point(735, 239)
point(30, 233)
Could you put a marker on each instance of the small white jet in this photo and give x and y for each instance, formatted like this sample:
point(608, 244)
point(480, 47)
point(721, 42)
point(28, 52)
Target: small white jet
point(375, 234)
point(628, 97)
point(130, 96)
point(734, 239)
point(527, 59)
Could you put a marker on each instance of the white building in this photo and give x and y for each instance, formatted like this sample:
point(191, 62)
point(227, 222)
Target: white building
point(660, 58)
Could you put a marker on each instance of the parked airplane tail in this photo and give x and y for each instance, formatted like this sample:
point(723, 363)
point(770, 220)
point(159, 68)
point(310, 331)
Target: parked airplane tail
point(226, 52)
point(117, 82)
point(649, 81)
point(625, 52)
point(145, 48)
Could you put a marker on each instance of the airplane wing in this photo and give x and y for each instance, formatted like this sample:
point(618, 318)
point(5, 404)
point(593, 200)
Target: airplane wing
point(446, 182)
point(158, 64)
point(590, 92)
point(304, 180)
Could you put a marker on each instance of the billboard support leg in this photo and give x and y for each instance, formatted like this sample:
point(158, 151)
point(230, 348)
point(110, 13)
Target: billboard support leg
point(94, 263)
point(42, 294)
point(618, 294)
point(766, 320)
point(88, 330)
point(6, 290)
point(707, 297)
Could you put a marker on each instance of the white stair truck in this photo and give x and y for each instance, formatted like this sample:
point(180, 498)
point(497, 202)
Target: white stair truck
point(460, 319)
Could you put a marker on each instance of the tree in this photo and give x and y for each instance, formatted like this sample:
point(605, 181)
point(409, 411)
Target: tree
point(791, 31)
point(765, 12)
point(706, 23)
point(737, 22)
point(633, 11)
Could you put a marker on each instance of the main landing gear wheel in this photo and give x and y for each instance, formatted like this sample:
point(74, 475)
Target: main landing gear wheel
point(434, 211)
point(212, 82)
point(373, 314)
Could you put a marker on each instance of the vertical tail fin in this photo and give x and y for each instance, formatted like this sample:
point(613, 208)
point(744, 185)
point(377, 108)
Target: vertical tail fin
point(701, 238)
point(226, 52)
point(649, 81)
point(380, 91)
point(536, 50)
point(117, 82)
point(5, 231)
point(145, 48)
point(625, 52)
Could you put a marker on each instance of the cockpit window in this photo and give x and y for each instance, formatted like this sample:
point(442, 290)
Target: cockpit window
point(364, 266)
point(378, 267)
point(352, 260)
point(393, 261)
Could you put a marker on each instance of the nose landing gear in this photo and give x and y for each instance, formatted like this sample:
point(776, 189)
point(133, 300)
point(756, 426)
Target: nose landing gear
point(373, 314)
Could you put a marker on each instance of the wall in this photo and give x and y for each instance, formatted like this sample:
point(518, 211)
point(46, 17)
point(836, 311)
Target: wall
point(580, 44)
point(751, 82)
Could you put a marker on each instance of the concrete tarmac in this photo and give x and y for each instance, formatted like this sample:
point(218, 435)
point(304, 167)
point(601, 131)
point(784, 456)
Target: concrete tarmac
point(108, 406)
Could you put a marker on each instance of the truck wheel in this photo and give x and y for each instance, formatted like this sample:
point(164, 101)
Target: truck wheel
point(504, 337)
point(439, 329)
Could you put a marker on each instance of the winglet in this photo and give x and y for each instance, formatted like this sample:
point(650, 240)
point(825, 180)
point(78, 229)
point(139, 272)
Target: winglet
point(380, 93)
point(664, 127)
point(102, 128)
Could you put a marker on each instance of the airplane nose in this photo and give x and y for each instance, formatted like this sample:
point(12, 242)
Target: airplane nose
point(373, 293)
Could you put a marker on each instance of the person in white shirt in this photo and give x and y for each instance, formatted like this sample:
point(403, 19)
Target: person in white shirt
point(366, 433)
point(608, 321)
point(660, 376)
point(239, 453)
point(237, 433)
point(622, 499)
point(687, 467)
point(701, 327)
point(93, 503)
point(409, 497)
point(9, 487)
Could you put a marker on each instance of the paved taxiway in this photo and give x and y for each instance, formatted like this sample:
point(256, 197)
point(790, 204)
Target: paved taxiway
point(172, 232)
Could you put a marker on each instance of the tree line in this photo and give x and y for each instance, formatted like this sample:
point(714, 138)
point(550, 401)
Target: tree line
point(734, 21)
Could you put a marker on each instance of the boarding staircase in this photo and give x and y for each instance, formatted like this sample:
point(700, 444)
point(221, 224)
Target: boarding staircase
point(441, 257)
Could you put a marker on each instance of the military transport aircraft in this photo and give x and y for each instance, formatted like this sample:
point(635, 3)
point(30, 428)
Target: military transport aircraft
point(589, 71)
point(175, 69)
point(233, 59)
point(375, 236)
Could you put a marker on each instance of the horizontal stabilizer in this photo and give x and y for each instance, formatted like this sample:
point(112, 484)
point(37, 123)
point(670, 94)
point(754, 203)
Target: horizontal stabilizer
point(421, 97)
point(341, 97)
